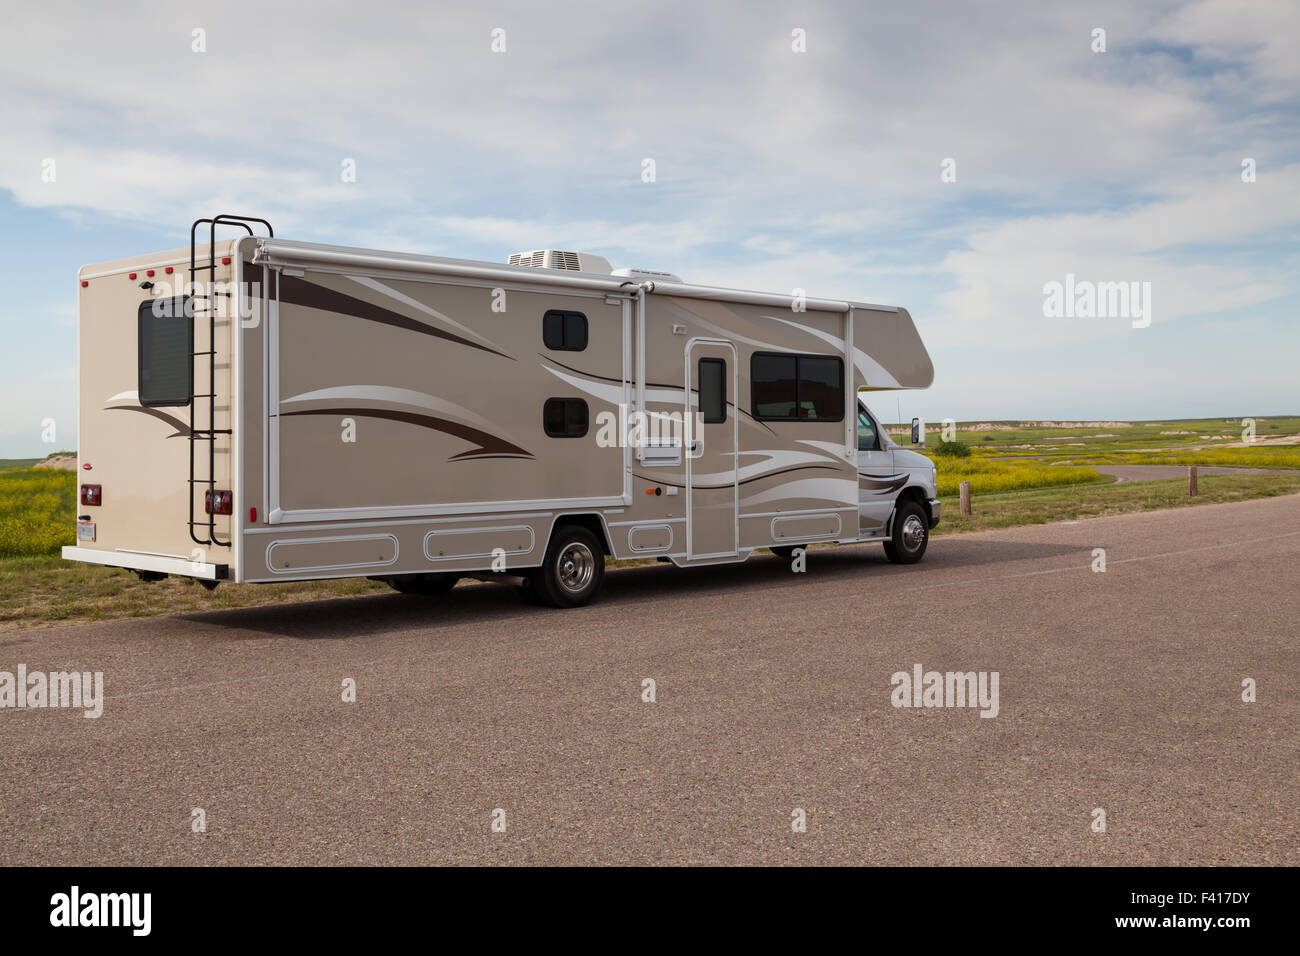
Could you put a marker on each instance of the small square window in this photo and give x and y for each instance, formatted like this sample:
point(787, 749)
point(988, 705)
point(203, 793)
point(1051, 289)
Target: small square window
point(564, 331)
point(565, 417)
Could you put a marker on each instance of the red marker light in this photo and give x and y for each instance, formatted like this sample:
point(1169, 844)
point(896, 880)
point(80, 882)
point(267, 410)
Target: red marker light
point(86, 466)
point(131, 276)
point(252, 514)
point(149, 273)
point(84, 283)
point(225, 260)
point(168, 270)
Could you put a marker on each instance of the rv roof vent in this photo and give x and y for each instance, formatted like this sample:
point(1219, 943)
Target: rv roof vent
point(561, 259)
point(653, 274)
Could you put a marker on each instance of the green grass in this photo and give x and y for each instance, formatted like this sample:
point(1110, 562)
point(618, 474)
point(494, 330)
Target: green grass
point(986, 476)
point(1094, 501)
point(1204, 440)
point(37, 511)
point(46, 589)
point(1269, 456)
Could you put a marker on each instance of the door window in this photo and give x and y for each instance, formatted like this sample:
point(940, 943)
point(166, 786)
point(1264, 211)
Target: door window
point(867, 438)
point(713, 390)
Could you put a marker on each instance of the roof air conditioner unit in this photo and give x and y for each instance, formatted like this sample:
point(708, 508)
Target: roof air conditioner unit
point(561, 259)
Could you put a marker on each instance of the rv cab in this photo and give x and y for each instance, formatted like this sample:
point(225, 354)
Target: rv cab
point(897, 489)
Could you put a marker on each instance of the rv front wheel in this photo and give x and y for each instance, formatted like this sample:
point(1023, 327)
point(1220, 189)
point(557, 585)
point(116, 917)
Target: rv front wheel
point(911, 534)
point(427, 585)
point(573, 570)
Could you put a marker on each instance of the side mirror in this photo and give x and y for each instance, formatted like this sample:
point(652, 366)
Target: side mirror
point(918, 432)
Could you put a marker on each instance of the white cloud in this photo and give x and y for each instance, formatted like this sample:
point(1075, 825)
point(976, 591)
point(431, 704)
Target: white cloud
point(775, 169)
point(1170, 243)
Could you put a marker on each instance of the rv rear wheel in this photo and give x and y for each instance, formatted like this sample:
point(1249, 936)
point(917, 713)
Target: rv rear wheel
point(428, 585)
point(573, 570)
point(786, 550)
point(911, 534)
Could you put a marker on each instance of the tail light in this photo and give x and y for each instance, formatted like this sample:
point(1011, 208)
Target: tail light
point(218, 502)
point(92, 495)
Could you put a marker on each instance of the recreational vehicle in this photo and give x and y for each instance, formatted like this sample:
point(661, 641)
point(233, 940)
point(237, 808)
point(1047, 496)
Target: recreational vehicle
point(301, 411)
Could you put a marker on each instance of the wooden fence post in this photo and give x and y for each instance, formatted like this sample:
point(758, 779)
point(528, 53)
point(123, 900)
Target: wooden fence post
point(1191, 480)
point(965, 497)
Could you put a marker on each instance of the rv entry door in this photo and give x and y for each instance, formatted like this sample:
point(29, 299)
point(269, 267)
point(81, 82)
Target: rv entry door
point(711, 433)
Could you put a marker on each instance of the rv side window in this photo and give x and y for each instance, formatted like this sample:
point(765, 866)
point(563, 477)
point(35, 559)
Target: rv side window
point(564, 331)
point(821, 388)
point(565, 417)
point(166, 345)
point(713, 390)
point(772, 382)
point(797, 387)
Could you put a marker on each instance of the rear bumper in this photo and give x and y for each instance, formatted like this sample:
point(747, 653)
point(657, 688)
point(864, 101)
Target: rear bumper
point(934, 506)
point(134, 561)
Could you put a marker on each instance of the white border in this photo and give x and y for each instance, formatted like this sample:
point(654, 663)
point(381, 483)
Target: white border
point(499, 529)
point(649, 527)
point(839, 526)
point(285, 542)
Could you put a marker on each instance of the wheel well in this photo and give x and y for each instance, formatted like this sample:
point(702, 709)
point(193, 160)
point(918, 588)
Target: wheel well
point(911, 494)
point(591, 522)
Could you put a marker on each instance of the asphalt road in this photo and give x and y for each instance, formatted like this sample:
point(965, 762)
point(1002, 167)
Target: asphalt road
point(1118, 690)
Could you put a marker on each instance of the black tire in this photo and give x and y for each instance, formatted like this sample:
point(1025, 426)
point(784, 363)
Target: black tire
point(786, 550)
point(911, 534)
point(425, 585)
point(573, 569)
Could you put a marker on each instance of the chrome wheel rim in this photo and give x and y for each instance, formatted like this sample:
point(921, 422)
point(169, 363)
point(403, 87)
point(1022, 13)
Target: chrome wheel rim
point(575, 567)
point(913, 533)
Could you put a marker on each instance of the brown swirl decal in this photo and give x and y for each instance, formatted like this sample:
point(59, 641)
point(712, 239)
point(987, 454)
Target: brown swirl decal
point(182, 429)
point(488, 445)
point(882, 485)
point(295, 291)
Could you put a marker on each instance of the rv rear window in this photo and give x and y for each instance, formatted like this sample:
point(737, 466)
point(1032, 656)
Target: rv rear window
point(565, 417)
point(789, 388)
point(564, 331)
point(166, 347)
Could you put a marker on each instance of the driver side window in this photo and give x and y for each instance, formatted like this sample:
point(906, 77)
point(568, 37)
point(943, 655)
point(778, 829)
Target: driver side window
point(867, 440)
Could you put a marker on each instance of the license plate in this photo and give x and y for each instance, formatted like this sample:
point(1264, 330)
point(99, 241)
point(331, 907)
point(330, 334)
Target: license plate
point(85, 531)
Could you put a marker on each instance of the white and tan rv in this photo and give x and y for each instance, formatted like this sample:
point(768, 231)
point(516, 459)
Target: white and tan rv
point(254, 409)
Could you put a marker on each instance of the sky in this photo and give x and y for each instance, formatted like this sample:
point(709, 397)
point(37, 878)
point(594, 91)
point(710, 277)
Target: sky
point(951, 157)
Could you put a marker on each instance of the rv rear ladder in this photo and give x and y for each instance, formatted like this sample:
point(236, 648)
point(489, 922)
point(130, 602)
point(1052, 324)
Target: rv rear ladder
point(208, 526)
